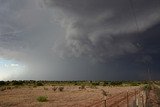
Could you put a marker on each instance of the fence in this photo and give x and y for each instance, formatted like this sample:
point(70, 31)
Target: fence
point(124, 99)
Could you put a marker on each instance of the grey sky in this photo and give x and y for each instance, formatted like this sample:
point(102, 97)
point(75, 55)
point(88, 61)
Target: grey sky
point(81, 39)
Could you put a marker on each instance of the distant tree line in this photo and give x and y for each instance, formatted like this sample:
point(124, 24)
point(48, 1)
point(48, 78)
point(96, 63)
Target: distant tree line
point(93, 83)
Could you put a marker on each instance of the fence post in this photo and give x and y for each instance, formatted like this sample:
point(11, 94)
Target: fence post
point(105, 102)
point(142, 100)
point(135, 94)
point(127, 100)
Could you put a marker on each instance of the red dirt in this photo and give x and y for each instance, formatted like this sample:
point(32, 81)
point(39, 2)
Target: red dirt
point(72, 96)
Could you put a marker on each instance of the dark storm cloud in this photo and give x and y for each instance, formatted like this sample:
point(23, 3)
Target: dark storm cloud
point(115, 32)
point(103, 29)
point(16, 18)
point(9, 27)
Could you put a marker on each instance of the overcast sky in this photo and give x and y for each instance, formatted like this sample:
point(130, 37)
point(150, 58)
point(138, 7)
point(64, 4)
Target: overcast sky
point(79, 39)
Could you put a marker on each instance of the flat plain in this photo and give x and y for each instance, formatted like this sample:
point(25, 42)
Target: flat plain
point(71, 96)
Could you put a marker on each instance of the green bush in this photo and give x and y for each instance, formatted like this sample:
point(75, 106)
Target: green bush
point(75, 84)
point(2, 83)
point(95, 83)
point(134, 84)
point(39, 84)
point(42, 98)
point(147, 87)
point(105, 84)
point(17, 82)
point(115, 83)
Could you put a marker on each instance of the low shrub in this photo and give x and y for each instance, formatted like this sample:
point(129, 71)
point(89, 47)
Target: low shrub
point(134, 84)
point(34, 86)
point(93, 87)
point(2, 83)
point(61, 89)
point(82, 87)
point(115, 83)
point(95, 83)
point(16, 86)
point(45, 88)
point(17, 82)
point(2, 88)
point(39, 84)
point(147, 87)
point(104, 84)
point(54, 88)
point(9, 88)
point(42, 98)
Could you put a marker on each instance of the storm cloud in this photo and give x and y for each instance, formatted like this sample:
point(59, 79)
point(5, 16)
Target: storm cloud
point(80, 39)
point(103, 29)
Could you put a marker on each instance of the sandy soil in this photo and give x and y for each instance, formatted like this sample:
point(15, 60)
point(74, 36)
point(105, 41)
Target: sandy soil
point(72, 96)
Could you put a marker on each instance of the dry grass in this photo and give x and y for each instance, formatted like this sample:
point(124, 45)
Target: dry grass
point(71, 96)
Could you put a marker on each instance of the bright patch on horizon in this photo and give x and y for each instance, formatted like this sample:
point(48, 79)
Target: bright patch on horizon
point(10, 68)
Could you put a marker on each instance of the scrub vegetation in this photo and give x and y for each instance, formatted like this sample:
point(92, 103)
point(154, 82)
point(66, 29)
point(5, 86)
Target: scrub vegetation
point(74, 93)
point(75, 83)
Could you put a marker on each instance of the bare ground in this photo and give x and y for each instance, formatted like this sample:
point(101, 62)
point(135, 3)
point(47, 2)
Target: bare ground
point(72, 96)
